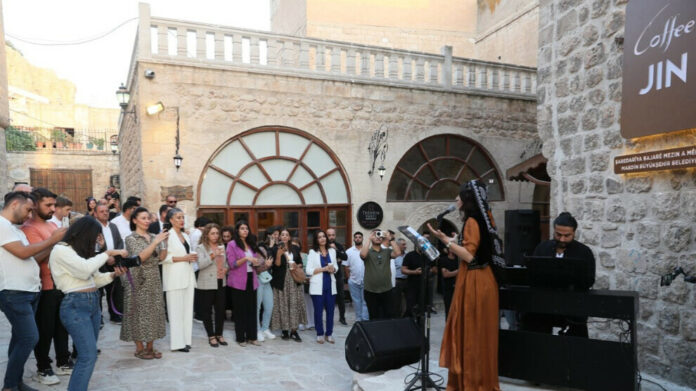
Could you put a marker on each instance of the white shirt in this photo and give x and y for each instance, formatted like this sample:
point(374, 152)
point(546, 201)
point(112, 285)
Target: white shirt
point(356, 265)
point(72, 273)
point(123, 226)
point(108, 236)
point(195, 236)
point(55, 221)
point(16, 273)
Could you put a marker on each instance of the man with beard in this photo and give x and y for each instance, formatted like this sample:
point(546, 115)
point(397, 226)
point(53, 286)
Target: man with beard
point(563, 245)
point(37, 229)
point(355, 270)
point(112, 241)
point(340, 257)
point(20, 282)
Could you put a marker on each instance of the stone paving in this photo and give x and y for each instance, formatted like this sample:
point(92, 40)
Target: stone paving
point(276, 365)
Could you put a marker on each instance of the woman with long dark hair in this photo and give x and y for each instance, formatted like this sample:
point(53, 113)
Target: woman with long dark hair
point(75, 267)
point(470, 340)
point(321, 265)
point(243, 259)
point(91, 206)
point(288, 296)
point(143, 315)
point(179, 281)
point(212, 276)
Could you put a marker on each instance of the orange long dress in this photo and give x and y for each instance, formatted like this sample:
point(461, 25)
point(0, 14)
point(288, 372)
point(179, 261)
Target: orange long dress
point(470, 341)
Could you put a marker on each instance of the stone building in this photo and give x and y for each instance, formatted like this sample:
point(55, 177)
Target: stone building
point(4, 109)
point(639, 226)
point(482, 29)
point(53, 141)
point(276, 129)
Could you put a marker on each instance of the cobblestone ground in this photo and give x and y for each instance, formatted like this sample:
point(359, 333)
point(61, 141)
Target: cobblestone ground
point(276, 365)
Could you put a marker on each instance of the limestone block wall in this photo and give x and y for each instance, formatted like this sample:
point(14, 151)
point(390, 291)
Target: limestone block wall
point(217, 104)
point(4, 110)
point(130, 148)
point(103, 166)
point(638, 226)
point(500, 28)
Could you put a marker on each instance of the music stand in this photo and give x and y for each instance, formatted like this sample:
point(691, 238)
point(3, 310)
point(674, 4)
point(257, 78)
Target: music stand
point(424, 374)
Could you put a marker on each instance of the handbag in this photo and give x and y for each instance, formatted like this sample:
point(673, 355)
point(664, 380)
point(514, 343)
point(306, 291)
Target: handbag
point(298, 275)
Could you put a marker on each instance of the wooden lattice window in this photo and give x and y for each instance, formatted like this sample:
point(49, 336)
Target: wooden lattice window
point(433, 169)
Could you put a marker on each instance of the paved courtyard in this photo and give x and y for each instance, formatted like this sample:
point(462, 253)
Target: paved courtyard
point(276, 365)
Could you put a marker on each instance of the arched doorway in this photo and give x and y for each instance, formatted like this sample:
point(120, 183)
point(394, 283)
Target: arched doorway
point(272, 176)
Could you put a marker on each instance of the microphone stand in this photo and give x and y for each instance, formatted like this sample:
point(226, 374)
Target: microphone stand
point(423, 318)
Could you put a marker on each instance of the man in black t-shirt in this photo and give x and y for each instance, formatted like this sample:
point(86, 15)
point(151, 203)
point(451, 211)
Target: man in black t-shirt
point(563, 245)
point(448, 265)
point(413, 267)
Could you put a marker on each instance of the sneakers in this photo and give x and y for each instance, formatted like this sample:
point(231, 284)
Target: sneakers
point(46, 377)
point(259, 336)
point(268, 334)
point(65, 370)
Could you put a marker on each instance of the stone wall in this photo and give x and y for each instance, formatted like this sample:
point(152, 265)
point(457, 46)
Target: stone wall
point(130, 148)
point(500, 23)
point(5, 184)
point(217, 104)
point(639, 226)
point(103, 166)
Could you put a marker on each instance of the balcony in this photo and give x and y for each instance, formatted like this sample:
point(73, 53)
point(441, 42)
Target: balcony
point(170, 41)
point(36, 139)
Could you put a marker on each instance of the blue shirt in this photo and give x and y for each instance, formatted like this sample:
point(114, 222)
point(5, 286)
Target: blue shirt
point(398, 262)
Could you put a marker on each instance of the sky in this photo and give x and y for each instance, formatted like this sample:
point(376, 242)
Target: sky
point(99, 67)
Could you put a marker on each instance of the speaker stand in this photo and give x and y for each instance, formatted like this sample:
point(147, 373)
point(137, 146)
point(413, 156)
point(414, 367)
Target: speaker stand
point(422, 376)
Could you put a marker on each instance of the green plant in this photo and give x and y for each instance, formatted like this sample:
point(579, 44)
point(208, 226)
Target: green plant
point(99, 142)
point(18, 140)
point(59, 136)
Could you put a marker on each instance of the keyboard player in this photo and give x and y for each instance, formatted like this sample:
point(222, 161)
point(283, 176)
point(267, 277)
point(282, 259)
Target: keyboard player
point(563, 245)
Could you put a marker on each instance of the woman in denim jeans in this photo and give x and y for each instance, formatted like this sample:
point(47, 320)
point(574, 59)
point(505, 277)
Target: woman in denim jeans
point(75, 270)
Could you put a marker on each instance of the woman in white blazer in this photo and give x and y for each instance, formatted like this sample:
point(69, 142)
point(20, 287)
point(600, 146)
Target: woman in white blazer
point(179, 281)
point(321, 266)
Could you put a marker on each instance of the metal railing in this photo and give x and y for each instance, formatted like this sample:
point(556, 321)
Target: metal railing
point(199, 44)
point(27, 139)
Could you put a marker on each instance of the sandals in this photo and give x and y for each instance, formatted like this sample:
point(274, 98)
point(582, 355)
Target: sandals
point(213, 342)
point(155, 353)
point(221, 340)
point(145, 355)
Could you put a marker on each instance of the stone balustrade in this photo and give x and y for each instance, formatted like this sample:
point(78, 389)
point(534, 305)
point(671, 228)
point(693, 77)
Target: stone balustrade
point(254, 51)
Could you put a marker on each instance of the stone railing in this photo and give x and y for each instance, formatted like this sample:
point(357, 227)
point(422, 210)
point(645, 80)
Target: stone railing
point(217, 46)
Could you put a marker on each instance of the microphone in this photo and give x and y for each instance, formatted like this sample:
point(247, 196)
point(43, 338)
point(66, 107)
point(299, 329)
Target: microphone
point(449, 209)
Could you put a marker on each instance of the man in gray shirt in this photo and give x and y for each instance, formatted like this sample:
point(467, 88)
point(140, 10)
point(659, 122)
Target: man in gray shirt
point(378, 287)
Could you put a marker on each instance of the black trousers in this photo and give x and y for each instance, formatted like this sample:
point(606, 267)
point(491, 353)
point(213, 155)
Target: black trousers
point(447, 293)
point(340, 293)
point(114, 291)
point(209, 300)
point(380, 305)
point(400, 298)
point(244, 302)
point(50, 329)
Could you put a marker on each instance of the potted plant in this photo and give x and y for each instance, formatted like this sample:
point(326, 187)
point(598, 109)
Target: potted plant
point(100, 143)
point(59, 138)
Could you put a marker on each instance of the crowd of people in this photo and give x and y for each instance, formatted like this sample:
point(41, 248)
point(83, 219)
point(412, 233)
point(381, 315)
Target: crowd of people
point(64, 263)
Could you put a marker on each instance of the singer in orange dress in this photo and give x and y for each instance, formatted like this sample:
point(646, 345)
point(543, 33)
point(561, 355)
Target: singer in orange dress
point(470, 341)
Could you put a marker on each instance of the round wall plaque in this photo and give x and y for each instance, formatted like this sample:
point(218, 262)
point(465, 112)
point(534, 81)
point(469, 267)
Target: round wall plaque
point(370, 215)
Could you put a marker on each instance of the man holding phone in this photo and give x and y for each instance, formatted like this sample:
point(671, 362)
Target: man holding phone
point(378, 285)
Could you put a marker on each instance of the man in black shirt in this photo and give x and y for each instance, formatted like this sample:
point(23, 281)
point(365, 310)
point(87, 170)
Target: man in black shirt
point(563, 245)
point(413, 267)
point(340, 257)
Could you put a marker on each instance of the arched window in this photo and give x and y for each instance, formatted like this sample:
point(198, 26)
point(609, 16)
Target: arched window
point(433, 169)
point(276, 176)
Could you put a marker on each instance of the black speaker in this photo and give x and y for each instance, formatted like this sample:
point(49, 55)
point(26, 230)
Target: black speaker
point(522, 234)
point(380, 345)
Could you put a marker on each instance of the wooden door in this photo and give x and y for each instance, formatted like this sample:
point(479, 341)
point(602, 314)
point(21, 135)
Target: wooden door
point(76, 185)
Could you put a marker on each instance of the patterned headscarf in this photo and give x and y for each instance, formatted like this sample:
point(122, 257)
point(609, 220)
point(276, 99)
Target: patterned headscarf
point(478, 188)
